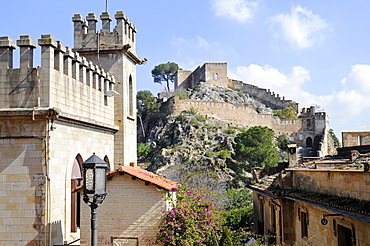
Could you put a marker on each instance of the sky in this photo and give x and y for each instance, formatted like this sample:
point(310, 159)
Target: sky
point(314, 52)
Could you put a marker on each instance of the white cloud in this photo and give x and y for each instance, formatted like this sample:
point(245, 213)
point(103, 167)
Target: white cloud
point(347, 109)
point(354, 98)
point(301, 28)
point(239, 10)
point(271, 78)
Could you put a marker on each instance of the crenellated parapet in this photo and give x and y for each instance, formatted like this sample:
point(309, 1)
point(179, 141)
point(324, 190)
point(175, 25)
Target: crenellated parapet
point(87, 37)
point(65, 79)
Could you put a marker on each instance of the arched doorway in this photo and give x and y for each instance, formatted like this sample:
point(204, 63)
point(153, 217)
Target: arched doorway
point(309, 142)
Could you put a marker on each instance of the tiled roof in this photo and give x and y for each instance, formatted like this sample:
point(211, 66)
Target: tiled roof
point(142, 174)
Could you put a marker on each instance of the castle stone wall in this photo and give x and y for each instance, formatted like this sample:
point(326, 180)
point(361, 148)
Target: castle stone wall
point(274, 101)
point(65, 81)
point(114, 50)
point(355, 138)
point(237, 115)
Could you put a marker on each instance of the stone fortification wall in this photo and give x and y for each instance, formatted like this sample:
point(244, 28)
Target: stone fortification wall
point(265, 96)
point(65, 80)
point(211, 73)
point(355, 138)
point(115, 51)
point(235, 115)
point(87, 37)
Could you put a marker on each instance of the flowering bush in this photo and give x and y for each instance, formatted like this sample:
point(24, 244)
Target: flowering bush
point(193, 221)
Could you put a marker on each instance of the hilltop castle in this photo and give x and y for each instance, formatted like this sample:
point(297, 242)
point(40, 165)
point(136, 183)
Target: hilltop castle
point(55, 116)
point(310, 131)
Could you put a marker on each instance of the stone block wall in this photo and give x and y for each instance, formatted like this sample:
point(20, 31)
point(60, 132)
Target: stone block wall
point(22, 182)
point(235, 115)
point(319, 234)
point(115, 51)
point(349, 183)
point(355, 138)
point(35, 174)
point(267, 97)
point(65, 80)
point(141, 205)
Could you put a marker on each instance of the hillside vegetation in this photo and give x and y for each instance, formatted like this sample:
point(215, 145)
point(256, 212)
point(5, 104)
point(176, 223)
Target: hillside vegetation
point(205, 153)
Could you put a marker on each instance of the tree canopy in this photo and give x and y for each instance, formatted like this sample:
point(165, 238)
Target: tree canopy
point(165, 73)
point(146, 103)
point(256, 146)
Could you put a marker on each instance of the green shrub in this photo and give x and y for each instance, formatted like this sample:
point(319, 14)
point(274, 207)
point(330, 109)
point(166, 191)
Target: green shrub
point(201, 118)
point(239, 217)
point(181, 117)
point(143, 150)
point(224, 154)
point(210, 154)
point(230, 130)
point(193, 111)
point(182, 95)
point(194, 122)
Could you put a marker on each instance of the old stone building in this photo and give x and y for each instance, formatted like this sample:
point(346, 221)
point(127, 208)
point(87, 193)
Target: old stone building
point(53, 117)
point(132, 211)
point(310, 130)
point(355, 139)
point(322, 202)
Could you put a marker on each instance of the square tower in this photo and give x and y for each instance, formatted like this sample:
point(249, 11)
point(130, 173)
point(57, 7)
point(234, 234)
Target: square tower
point(114, 50)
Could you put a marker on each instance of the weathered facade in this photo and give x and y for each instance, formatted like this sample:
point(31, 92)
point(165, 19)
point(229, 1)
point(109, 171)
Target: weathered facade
point(324, 203)
point(355, 138)
point(310, 130)
point(55, 116)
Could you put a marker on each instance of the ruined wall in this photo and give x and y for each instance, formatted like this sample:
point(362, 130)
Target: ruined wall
point(265, 96)
point(141, 205)
point(306, 132)
point(235, 115)
point(355, 138)
point(214, 73)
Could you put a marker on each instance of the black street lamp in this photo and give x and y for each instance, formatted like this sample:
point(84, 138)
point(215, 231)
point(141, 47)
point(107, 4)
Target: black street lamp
point(94, 190)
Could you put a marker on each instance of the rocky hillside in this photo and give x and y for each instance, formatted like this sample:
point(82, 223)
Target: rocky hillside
point(207, 92)
point(193, 149)
point(192, 144)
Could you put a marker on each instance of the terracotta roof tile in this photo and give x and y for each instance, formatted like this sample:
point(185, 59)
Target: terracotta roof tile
point(143, 175)
point(150, 177)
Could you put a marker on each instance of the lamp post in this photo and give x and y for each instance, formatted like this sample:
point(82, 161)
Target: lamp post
point(94, 190)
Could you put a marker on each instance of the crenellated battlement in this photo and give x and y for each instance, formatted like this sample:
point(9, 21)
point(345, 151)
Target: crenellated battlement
point(65, 79)
point(87, 37)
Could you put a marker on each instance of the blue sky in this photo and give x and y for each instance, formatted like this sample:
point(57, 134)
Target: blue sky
point(314, 52)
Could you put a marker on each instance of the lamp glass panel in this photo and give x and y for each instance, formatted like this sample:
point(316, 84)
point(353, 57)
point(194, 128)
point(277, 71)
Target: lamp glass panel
point(89, 179)
point(100, 181)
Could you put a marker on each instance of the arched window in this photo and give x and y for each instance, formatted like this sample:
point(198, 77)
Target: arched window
point(309, 142)
point(215, 76)
point(106, 159)
point(130, 96)
point(76, 180)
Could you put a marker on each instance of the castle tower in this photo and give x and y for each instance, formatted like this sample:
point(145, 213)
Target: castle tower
point(114, 50)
